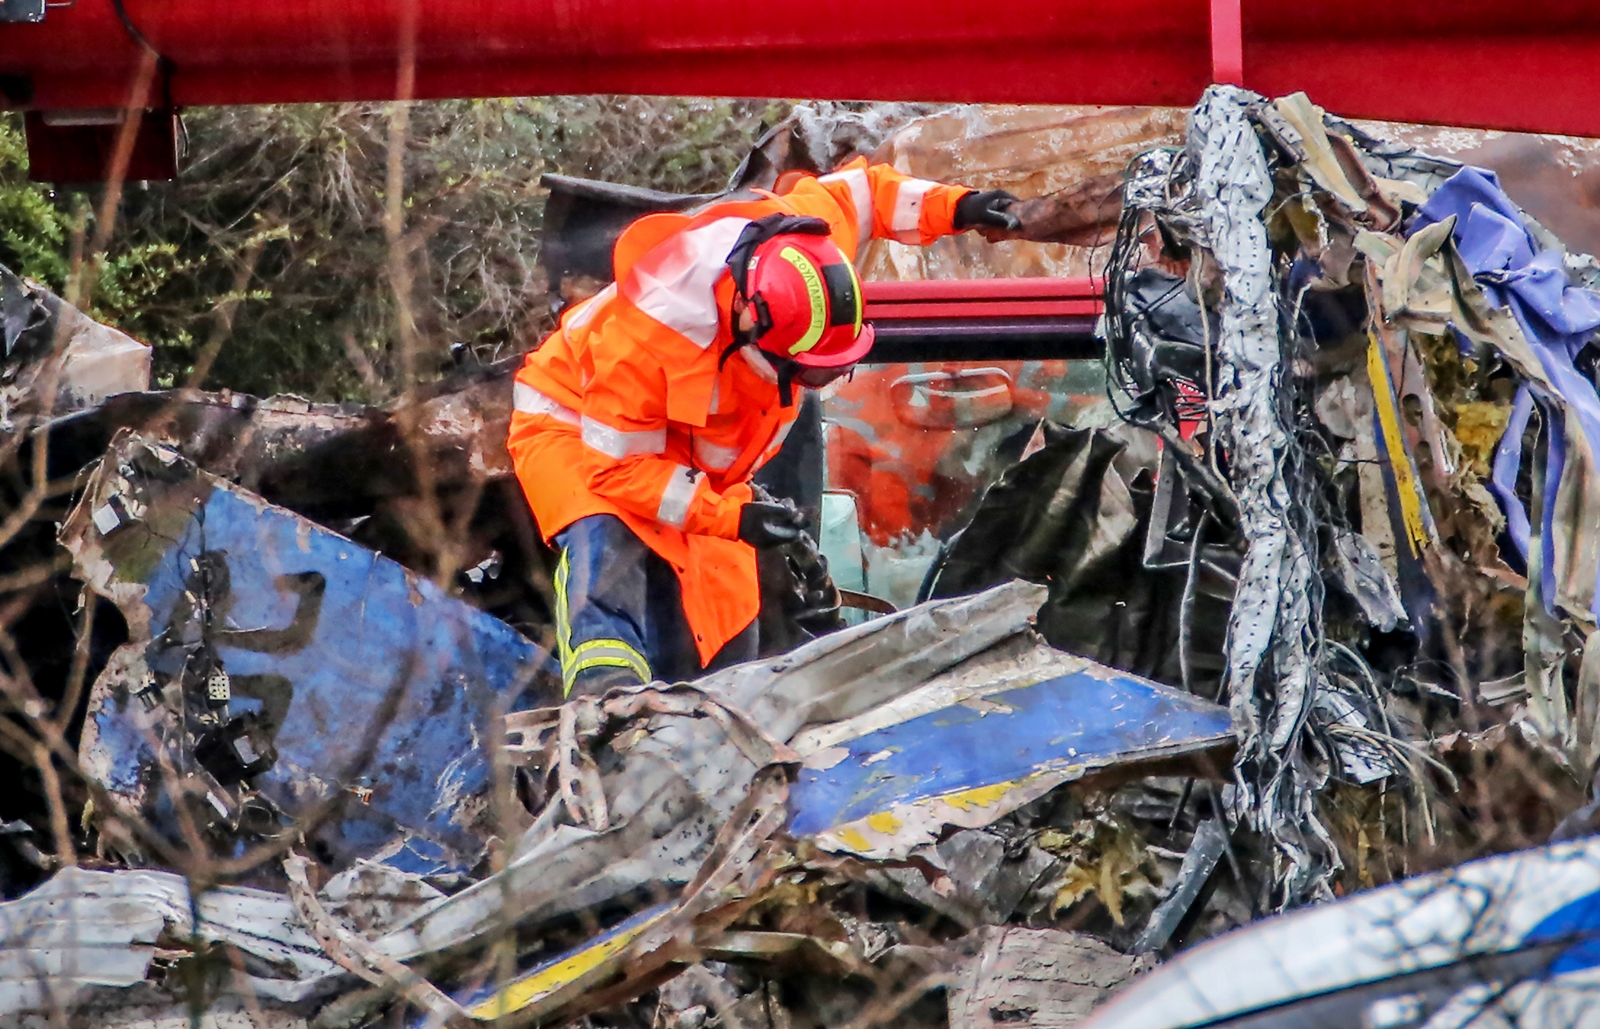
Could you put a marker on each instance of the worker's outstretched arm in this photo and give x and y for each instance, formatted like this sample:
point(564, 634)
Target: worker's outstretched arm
point(888, 204)
point(624, 426)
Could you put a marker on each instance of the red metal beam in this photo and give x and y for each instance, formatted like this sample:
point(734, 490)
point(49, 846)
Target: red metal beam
point(947, 290)
point(1227, 42)
point(983, 319)
point(982, 299)
point(1531, 66)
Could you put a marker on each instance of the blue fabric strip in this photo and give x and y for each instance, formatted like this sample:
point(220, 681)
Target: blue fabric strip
point(1555, 463)
point(1507, 462)
point(1556, 317)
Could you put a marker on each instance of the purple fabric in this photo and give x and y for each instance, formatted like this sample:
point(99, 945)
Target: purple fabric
point(1556, 317)
point(1507, 462)
point(1466, 189)
point(1555, 462)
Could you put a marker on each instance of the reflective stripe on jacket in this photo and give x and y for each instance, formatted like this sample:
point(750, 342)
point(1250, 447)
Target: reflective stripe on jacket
point(624, 409)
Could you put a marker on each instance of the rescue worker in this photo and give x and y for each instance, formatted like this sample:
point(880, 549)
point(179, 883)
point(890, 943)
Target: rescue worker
point(638, 423)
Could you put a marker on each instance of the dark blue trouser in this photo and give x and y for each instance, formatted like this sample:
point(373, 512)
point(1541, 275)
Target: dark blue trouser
point(619, 612)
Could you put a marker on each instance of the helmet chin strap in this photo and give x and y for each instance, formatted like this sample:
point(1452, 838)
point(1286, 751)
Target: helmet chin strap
point(786, 374)
point(786, 370)
point(740, 339)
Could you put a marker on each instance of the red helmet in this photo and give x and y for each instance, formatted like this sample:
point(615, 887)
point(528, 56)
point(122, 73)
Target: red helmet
point(806, 296)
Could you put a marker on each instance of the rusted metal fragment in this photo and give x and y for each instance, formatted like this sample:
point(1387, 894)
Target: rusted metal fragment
point(285, 673)
point(1555, 178)
point(331, 460)
point(466, 426)
point(1070, 158)
point(54, 358)
point(303, 453)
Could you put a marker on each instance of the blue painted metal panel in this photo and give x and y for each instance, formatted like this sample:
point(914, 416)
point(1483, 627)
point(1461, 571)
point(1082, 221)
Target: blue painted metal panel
point(327, 673)
point(1092, 718)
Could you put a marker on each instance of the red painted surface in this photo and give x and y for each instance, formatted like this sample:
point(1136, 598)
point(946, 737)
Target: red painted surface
point(983, 309)
point(982, 298)
point(937, 290)
point(1227, 42)
point(1533, 66)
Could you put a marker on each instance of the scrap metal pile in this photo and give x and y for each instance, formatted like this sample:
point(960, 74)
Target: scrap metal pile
point(1314, 614)
point(1373, 376)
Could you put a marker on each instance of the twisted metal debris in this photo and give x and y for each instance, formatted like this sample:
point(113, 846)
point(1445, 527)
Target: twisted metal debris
point(1271, 622)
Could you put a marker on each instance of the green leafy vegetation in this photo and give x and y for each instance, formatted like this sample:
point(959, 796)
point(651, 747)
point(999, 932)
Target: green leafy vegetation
point(273, 251)
point(33, 225)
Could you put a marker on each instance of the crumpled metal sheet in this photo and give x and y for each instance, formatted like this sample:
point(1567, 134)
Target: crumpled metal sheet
point(1361, 572)
point(923, 701)
point(892, 674)
point(230, 434)
point(846, 673)
point(54, 358)
point(84, 929)
point(369, 682)
point(892, 791)
point(1271, 607)
point(676, 779)
point(682, 792)
point(1509, 940)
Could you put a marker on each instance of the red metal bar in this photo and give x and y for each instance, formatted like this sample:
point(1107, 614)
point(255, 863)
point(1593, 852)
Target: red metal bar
point(1531, 66)
point(970, 299)
point(1227, 42)
point(947, 290)
point(984, 309)
point(225, 51)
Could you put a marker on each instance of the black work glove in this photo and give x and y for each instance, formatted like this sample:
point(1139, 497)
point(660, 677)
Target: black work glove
point(816, 606)
point(986, 210)
point(819, 611)
point(763, 524)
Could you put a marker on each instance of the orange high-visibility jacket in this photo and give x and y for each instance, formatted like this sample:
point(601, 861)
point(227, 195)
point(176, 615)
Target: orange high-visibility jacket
point(623, 410)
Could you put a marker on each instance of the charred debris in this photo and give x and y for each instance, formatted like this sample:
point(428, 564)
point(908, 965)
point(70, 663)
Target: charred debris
point(1304, 622)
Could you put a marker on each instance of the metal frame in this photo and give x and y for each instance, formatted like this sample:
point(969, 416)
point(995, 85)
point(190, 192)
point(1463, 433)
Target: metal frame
point(984, 319)
point(1529, 67)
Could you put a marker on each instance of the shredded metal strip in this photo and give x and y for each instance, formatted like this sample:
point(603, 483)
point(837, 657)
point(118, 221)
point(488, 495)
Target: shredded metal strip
point(359, 957)
point(1271, 619)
